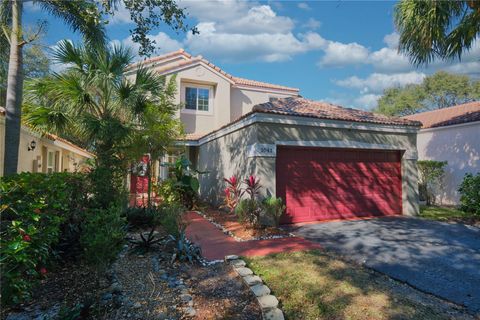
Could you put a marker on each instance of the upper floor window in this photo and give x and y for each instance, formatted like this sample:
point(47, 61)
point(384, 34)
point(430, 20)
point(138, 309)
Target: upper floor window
point(197, 98)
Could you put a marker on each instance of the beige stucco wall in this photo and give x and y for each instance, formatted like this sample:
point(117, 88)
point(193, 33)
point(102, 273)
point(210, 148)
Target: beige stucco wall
point(34, 160)
point(242, 100)
point(222, 158)
point(228, 155)
point(457, 144)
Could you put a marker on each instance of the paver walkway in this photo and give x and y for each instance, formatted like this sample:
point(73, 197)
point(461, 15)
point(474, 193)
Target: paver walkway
point(216, 245)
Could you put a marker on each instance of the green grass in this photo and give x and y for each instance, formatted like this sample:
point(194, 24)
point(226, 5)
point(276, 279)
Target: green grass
point(315, 285)
point(445, 214)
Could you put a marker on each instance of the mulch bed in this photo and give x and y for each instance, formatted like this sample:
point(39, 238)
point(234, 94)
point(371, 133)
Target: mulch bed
point(243, 231)
point(219, 293)
point(146, 285)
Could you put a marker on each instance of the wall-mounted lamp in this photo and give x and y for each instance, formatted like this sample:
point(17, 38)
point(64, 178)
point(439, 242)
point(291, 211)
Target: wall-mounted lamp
point(32, 145)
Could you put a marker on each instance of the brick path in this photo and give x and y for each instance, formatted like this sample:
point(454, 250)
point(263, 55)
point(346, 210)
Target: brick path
point(216, 245)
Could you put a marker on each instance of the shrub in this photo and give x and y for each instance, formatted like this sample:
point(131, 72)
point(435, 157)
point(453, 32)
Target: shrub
point(140, 217)
point(470, 193)
point(248, 210)
point(430, 180)
point(168, 192)
point(171, 218)
point(37, 213)
point(233, 193)
point(253, 186)
point(103, 235)
point(273, 208)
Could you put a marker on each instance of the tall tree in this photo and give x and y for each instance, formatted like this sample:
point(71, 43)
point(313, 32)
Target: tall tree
point(84, 16)
point(94, 100)
point(431, 29)
point(437, 91)
point(81, 15)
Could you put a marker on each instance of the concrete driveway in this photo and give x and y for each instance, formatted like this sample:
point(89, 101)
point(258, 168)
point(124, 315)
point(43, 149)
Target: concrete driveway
point(435, 257)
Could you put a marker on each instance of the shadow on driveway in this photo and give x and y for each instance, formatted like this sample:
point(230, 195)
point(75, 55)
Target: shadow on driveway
point(439, 258)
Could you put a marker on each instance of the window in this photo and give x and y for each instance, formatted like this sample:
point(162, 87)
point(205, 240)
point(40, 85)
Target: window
point(50, 162)
point(197, 98)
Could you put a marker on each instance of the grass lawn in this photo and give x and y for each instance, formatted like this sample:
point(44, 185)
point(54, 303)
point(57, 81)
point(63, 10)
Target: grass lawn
point(315, 285)
point(447, 214)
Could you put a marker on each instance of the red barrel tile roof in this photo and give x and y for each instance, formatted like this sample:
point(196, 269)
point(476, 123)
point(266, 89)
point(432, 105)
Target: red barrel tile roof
point(463, 113)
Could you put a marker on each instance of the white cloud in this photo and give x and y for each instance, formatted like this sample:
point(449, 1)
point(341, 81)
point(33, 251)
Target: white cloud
point(163, 42)
point(391, 40)
point(341, 54)
point(377, 82)
point(312, 24)
point(120, 16)
point(304, 6)
point(367, 101)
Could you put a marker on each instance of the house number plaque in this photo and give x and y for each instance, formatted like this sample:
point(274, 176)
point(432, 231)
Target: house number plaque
point(262, 150)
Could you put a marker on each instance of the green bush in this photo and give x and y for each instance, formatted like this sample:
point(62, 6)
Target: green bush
point(470, 193)
point(273, 208)
point(168, 192)
point(103, 235)
point(171, 218)
point(430, 179)
point(248, 210)
point(36, 213)
point(141, 217)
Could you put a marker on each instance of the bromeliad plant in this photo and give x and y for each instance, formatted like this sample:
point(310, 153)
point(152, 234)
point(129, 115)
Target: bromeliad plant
point(233, 193)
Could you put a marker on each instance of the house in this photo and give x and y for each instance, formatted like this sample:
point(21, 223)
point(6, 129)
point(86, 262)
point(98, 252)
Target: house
point(325, 161)
point(452, 135)
point(44, 153)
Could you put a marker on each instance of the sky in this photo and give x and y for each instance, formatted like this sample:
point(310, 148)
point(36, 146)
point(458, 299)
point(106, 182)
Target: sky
point(343, 52)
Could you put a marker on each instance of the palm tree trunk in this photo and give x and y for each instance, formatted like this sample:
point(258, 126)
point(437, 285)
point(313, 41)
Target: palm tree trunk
point(13, 104)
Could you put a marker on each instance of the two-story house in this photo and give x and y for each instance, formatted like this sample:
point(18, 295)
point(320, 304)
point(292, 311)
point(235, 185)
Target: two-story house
point(325, 161)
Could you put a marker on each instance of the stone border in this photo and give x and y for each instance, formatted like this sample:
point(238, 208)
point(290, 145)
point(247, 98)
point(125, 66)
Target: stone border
point(230, 234)
point(268, 302)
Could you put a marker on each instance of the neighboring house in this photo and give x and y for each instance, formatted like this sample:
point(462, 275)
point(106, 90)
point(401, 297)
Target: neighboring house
point(44, 153)
point(451, 134)
point(325, 161)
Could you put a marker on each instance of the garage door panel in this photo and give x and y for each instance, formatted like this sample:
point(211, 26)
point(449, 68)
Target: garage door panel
point(322, 183)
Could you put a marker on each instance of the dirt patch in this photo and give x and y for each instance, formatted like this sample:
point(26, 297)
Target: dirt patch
point(219, 293)
point(242, 231)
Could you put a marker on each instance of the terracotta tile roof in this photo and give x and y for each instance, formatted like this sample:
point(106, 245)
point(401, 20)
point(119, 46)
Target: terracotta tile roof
point(179, 52)
point(316, 109)
point(192, 136)
point(463, 113)
point(54, 137)
point(189, 60)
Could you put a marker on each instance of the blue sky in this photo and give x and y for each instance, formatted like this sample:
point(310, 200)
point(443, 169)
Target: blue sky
point(343, 52)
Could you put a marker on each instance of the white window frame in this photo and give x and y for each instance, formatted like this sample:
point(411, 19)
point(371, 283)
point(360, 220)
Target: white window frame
point(52, 166)
point(183, 93)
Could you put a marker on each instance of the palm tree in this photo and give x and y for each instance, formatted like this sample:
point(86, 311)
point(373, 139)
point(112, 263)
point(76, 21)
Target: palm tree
point(81, 15)
point(432, 29)
point(94, 101)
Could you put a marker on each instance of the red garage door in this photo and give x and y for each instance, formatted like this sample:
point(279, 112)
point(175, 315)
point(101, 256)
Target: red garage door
point(324, 184)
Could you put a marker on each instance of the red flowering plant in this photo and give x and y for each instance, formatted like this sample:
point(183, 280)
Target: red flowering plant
point(233, 193)
point(253, 186)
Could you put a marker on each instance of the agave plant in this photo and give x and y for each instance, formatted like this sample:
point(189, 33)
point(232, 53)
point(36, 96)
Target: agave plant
point(146, 243)
point(185, 250)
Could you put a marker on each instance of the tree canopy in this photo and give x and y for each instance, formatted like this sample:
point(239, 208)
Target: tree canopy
point(437, 91)
point(431, 29)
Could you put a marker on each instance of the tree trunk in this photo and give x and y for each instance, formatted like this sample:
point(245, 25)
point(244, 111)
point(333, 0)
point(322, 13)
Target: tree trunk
point(13, 104)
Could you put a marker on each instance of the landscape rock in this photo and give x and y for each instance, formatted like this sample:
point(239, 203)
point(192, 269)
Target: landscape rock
point(274, 314)
point(137, 305)
point(252, 280)
point(242, 271)
point(268, 302)
point(238, 263)
point(190, 312)
point(260, 290)
point(231, 257)
point(115, 288)
point(186, 297)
